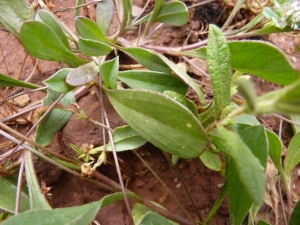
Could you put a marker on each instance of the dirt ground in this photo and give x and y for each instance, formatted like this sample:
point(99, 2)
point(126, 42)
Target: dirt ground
point(68, 190)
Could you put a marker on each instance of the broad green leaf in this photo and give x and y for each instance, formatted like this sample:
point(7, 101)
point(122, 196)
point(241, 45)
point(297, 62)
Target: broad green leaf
point(256, 139)
point(55, 120)
point(138, 212)
point(125, 138)
point(293, 155)
point(147, 58)
point(154, 219)
point(183, 101)
point(14, 13)
point(37, 198)
point(93, 48)
point(211, 160)
point(57, 81)
point(88, 29)
point(153, 81)
point(82, 75)
point(218, 61)
point(173, 13)
point(48, 19)
point(42, 42)
point(104, 14)
point(6, 81)
point(77, 215)
point(263, 60)
point(239, 199)
point(8, 187)
point(160, 120)
point(256, 58)
point(184, 76)
point(246, 119)
point(248, 167)
point(109, 72)
point(295, 216)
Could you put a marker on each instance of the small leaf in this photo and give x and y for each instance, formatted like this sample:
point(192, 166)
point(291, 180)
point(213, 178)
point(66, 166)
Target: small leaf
point(262, 222)
point(48, 19)
point(295, 216)
point(173, 13)
point(248, 167)
point(160, 120)
point(37, 198)
point(184, 76)
point(82, 75)
point(55, 120)
point(125, 138)
point(77, 215)
point(274, 149)
point(42, 42)
point(6, 81)
point(8, 187)
point(89, 29)
point(57, 81)
point(218, 61)
point(154, 218)
point(147, 58)
point(246, 119)
point(14, 13)
point(211, 160)
point(208, 116)
point(293, 155)
point(153, 81)
point(104, 14)
point(197, 53)
point(93, 48)
point(296, 119)
point(109, 72)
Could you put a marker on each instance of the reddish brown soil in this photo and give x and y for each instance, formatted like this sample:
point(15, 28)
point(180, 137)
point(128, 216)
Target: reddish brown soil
point(70, 191)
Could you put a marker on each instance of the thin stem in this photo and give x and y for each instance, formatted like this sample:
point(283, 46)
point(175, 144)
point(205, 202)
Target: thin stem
point(19, 185)
point(164, 185)
point(201, 3)
point(233, 13)
point(77, 7)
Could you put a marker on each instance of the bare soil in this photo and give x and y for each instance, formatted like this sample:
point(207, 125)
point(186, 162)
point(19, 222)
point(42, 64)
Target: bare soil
point(71, 191)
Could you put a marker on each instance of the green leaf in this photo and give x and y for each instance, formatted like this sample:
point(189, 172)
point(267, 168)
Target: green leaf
point(293, 155)
point(55, 120)
point(208, 116)
point(104, 14)
point(89, 29)
point(154, 219)
point(6, 81)
point(109, 72)
point(82, 75)
point(93, 48)
point(8, 187)
point(42, 42)
point(211, 160)
point(218, 61)
point(153, 81)
point(274, 149)
point(37, 198)
point(173, 13)
point(160, 120)
point(14, 13)
point(183, 101)
point(48, 19)
point(295, 216)
point(184, 76)
point(147, 58)
point(296, 119)
point(246, 119)
point(248, 167)
point(57, 81)
point(77, 215)
point(257, 58)
point(263, 60)
point(239, 199)
point(125, 138)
